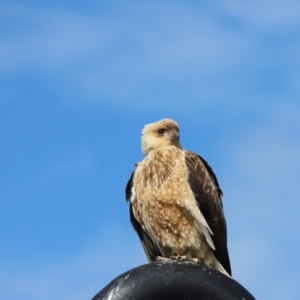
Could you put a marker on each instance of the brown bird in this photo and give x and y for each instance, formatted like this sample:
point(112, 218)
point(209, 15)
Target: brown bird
point(175, 201)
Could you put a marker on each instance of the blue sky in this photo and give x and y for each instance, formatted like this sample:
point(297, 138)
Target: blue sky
point(79, 80)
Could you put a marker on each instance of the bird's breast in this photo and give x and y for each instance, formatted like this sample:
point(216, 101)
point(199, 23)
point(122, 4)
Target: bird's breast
point(162, 196)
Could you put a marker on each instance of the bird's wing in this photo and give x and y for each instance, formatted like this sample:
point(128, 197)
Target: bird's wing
point(207, 192)
point(149, 246)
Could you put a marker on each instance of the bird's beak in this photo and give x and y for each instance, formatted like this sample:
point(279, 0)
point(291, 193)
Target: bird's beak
point(173, 135)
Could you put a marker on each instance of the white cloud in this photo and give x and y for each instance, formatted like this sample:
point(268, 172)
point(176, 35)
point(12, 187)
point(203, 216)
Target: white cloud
point(163, 53)
point(44, 38)
point(166, 55)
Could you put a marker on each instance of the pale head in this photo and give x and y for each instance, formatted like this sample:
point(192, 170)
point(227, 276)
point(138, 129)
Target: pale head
point(162, 133)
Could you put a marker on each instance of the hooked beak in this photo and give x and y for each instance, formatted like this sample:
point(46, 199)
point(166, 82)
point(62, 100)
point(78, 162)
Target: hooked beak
point(173, 135)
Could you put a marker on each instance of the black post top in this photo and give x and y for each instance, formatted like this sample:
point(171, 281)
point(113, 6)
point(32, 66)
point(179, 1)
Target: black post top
point(173, 280)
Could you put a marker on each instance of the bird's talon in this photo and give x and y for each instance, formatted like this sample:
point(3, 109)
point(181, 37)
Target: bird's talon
point(160, 258)
point(178, 257)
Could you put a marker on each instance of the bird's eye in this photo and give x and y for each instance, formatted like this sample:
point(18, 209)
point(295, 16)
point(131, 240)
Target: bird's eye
point(161, 130)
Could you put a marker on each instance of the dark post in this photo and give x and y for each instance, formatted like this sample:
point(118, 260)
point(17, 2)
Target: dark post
point(173, 280)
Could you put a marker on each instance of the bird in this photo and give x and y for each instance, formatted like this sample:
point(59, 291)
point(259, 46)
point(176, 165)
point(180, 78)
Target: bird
point(175, 202)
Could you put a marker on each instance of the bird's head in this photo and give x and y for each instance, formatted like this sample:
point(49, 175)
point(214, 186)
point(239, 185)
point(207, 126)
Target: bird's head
point(162, 133)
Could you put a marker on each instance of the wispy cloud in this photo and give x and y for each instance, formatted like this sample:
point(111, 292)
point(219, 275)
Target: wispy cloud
point(197, 53)
point(234, 65)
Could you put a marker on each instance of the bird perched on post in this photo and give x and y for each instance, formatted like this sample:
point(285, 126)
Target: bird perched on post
point(175, 201)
